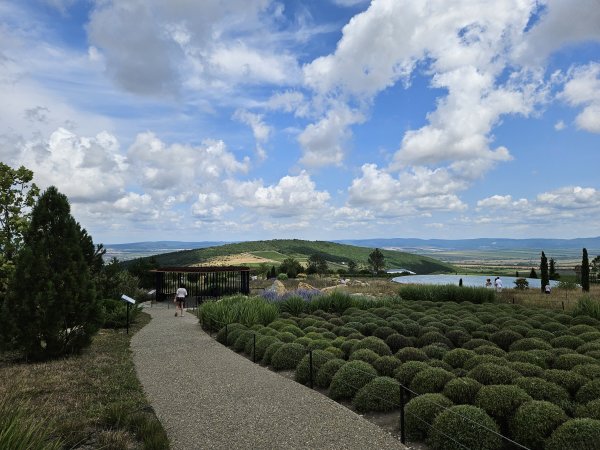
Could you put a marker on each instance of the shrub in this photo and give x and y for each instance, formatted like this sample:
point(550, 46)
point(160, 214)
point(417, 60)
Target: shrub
point(282, 276)
point(405, 373)
point(433, 337)
point(540, 334)
point(380, 394)
point(364, 354)
point(483, 359)
point(490, 350)
point(462, 390)
point(226, 330)
point(440, 364)
point(295, 305)
point(529, 344)
point(327, 371)
point(575, 434)
point(526, 369)
point(243, 338)
point(270, 351)
point(587, 306)
point(500, 401)
point(397, 341)
point(421, 411)
point(350, 378)
point(319, 357)
point(384, 332)
point(262, 343)
point(458, 357)
point(534, 421)
point(459, 422)
point(527, 357)
point(347, 346)
point(436, 351)
point(567, 341)
point(373, 343)
point(337, 352)
point(571, 381)
point(411, 354)
point(580, 329)
point(386, 365)
point(488, 373)
point(567, 362)
point(540, 389)
point(430, 380)
point(590, 410)
point(474, 343)
point(591, 371)
point(293, 329)
point(458, 337)
point(504, 338)
point(288, 356)
point(589, 391)
point(286, 337)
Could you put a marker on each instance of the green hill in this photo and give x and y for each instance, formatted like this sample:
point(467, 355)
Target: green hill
point(279, 249)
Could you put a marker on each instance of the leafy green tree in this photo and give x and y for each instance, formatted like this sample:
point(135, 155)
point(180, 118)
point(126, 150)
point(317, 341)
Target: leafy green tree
point(533, 273)
point(595, 265)
point(317, 264)
point(585, 272)
point(352, 266)
point(141, 267)
point(17, 196)
point(291, 267)
point(544, 271)
point(554, 275)
point(263, 270)
point(52, 295)
point(376, 260)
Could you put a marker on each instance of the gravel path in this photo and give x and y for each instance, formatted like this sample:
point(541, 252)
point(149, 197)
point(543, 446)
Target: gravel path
point(209, 397)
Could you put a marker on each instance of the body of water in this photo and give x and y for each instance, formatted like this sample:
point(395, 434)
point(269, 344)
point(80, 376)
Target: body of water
point(468, 280)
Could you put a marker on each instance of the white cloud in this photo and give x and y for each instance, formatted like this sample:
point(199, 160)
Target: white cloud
point(571, 198)
point(260, 129)
point(288, 101)
point(210, 207)
point(583, 89)
point(291, 196)
point(560, 125)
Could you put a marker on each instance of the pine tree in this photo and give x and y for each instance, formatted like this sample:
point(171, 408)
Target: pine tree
point(377, 260)
point(53, 301)
point(544, 272)
point(554, 275)
point(585, 272)
point(533, 273)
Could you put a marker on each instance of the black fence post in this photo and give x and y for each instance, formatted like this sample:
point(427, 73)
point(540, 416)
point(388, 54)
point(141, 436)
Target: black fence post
point(254, 347)
point(402, 428)
point(310, 369)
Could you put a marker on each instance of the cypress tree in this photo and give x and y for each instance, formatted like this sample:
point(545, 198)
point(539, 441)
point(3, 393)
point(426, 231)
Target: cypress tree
point(533, 273)
point(585, 272)
point(553, 273)
point(544, 271)
point(53, 300)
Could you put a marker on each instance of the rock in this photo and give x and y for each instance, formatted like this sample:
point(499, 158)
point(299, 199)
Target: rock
point(277, 287)
point(307, 287)
point(340, 288)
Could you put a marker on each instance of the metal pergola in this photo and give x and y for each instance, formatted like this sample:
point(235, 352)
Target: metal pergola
point(201, 283)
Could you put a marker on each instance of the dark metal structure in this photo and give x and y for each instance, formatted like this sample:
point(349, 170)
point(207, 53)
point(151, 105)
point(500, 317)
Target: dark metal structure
point(201, 283)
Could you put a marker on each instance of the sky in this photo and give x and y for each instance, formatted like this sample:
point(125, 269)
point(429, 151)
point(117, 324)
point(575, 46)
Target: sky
point(316, 119)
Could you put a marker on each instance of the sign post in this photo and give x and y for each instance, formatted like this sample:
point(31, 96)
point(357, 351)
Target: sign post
point(129, 302)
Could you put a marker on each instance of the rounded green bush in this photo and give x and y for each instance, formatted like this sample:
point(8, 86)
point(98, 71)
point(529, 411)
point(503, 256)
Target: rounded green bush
point(337, 352)
point(541, 389)
point(477, 342)
point(459, 423)
point(458, 337)
point(527, 357)
point(262, 343)
point(483, 359)
point(380, 394)
point(421, 411)
point(406, 372)
point(280, 323)
point(526, 344)
point(553, 327)
point(526, 369)
point(580, 329)
point(440, 364)
point(364, 354)
point(384, 332)
point(430, 380)
point(319, 357)
point(462, 390)
point(356, 335)
point(534, 421)
point(270, 351)
point(411, 354)
point(327, 372)
point(500, 401)
point(386, 365)
point(435, 351)
point(397, 341)
point(590, 410)
point(490, 350)
point(286, 337)
point(242, 340)
point(347, 346)
point(589, 346)
point(488, 373)
point(567, 362)
point(590, 336)
point(292, 329)
point(458, 357)
point(350, 378)
point(233, 335)
point(469, 325)
point(585, 320)
point(540, 334)
point(318, 344)
point(433, 337)
point(589, 391)
point(575, 434)
point(373, 343)
point(226, 330)
point(571, 381)
point(567, 341)
point(591, 371)
point(288, 356)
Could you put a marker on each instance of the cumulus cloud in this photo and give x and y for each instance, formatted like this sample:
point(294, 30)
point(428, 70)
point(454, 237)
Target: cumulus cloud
point(583, 89)
point(291, 196)
point(259, 128)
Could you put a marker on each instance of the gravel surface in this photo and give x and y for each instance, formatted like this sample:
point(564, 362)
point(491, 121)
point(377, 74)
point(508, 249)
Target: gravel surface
point(209, 397)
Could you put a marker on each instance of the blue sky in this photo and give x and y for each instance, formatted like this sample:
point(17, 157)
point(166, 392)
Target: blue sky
point(329, 119)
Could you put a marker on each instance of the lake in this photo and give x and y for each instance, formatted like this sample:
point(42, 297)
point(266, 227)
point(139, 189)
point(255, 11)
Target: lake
point(468, 280)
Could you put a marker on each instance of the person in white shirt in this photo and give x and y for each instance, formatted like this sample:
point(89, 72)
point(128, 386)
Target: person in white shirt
point(180, 296)
point(498, 284)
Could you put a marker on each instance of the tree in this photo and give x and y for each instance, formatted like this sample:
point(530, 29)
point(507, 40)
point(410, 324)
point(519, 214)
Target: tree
point(317, 264)
point(291, 267)
point(352, 266)
point(17, 196)
point(544, 271)
point(533, 273)
point(377, 260)
point(585, 272)
point(554, 275)
point(141, 267)
point(595, 264)
point(52, 295)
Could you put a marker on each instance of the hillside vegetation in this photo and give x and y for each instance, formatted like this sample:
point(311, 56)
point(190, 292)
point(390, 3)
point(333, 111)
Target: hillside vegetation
point(276, 250)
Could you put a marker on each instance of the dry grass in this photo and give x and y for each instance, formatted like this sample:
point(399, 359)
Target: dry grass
point(559, 298)
point(79, 393)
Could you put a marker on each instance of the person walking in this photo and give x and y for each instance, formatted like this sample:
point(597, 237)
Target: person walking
point(498, 284)
point(180, 296)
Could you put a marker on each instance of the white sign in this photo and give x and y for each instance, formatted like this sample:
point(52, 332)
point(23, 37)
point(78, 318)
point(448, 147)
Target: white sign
point(128, 299)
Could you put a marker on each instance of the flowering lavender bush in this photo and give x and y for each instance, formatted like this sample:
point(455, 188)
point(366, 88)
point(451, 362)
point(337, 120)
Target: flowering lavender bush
point(308, 295)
